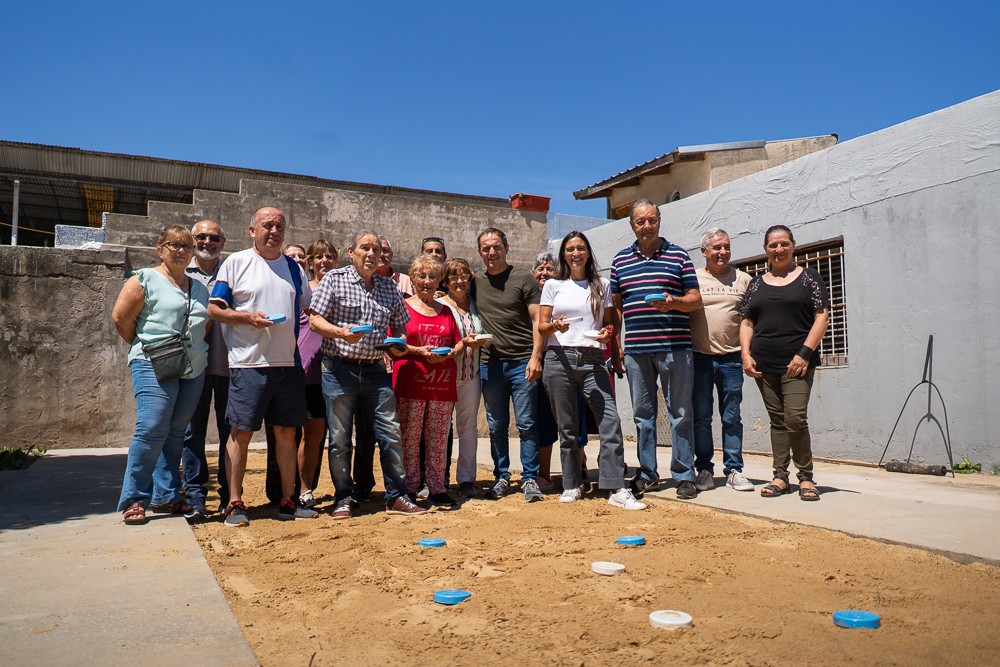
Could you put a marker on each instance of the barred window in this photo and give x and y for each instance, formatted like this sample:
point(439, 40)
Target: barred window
point(827, 258)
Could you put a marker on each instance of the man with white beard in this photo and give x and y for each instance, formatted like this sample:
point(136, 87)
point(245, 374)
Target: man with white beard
point(209, 241)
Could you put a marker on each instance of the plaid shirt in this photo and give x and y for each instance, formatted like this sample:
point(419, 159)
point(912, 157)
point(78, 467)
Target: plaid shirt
point(341, 298)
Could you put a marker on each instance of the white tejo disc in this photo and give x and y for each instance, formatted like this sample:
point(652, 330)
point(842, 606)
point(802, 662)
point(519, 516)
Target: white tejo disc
point(668, 619)
point(604, 567)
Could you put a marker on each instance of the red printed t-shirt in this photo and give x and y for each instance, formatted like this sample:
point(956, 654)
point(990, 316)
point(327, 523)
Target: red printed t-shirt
point(415, 378)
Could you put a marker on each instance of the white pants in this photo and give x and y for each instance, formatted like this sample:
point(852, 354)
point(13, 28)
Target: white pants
point(466, 414)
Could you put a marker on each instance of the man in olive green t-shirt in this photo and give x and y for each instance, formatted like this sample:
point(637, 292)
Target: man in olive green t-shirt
point(718, 365)
point(511, 365)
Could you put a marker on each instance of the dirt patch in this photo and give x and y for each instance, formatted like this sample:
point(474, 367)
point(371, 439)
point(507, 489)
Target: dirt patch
point(359, 592)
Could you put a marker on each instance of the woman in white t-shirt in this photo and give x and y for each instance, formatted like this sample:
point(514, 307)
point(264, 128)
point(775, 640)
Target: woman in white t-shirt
point(577, 320)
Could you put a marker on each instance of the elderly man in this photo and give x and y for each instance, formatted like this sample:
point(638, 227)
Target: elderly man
point(354, 373)
point(258, 294)
point(402, 280)
point(718, 364)
point(209, 241)
point(434, 246)
point(507, 298)
point(658, 342)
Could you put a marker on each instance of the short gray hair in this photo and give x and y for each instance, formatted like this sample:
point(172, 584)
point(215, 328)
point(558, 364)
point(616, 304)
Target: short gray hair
point(222, 232)
point(711, 234)
point(363, 233)
point(541, 258)
point(642, 202)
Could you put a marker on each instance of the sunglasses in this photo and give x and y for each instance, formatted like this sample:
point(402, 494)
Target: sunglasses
point(214, 238)
point(432, 239)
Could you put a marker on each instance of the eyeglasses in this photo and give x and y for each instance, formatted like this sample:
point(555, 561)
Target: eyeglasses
point(214, 238)
point(179, 247)
point(459, 277)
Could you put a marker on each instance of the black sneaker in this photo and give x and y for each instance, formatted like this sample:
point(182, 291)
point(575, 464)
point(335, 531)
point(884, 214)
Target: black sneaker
point(197, 512)
point(236, 515)
point(498, 490)
point(441, 500)
point(638, 486)
point(362, 497)
point(467, 490)
point(686, 490)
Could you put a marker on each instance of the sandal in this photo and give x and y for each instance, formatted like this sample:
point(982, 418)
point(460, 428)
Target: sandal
point(179, 506)
point(808, 492)
point(772, 490)
point(134, 515)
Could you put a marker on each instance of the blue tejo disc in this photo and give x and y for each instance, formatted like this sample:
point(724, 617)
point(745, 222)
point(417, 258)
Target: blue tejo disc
point(632, 540)
point(361, 329)
point(856, 618)
point(650, 298)
point(441, 350)
point(395, 341)
point(276, 318)
point(432, 542)
point(448, 596)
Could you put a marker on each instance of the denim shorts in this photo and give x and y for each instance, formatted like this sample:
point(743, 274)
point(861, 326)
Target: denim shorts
point(277, 392)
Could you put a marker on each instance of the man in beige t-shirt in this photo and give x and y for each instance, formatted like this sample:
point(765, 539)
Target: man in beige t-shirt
point(715, 331)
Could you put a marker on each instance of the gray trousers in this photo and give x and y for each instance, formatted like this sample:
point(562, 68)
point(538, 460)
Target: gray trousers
point(787, 403)
point(567, 372)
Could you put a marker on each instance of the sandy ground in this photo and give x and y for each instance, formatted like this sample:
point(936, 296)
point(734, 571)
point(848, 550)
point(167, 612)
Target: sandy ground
point(359, 592)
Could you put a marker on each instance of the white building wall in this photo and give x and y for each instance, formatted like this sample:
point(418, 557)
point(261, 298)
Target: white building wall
point(918, 205)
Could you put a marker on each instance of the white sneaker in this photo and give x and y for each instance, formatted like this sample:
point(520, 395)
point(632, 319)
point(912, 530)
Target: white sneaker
point(703, 481)
point(738, 481)
point(306, 498)
point(572, 495)
point(624, 499)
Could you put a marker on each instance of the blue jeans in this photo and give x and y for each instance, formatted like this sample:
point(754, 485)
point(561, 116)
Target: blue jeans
point(675, 371)
point(349, 386)
point(503, 381)
point(161, 416)
point(722, 373)
point(193, 454)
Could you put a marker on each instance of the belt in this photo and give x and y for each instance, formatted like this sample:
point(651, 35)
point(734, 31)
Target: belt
point(356, 362)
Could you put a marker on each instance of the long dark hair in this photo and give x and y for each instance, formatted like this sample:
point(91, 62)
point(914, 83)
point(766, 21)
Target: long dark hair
point(590, 271)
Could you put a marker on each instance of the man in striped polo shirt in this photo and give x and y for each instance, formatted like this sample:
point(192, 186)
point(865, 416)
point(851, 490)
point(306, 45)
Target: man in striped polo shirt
point(654, 286)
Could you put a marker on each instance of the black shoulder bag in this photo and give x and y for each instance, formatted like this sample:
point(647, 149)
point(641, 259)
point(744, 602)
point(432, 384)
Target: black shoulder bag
point(169, 356)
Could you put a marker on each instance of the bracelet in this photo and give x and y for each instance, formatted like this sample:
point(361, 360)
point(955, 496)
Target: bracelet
point(805, 352)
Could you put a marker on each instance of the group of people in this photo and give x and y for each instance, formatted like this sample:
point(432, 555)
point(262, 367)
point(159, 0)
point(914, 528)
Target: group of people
point(277, 337)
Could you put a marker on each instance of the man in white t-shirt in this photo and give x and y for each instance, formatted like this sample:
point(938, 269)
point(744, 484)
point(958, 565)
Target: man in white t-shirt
point(718, 365)
point(258, 294)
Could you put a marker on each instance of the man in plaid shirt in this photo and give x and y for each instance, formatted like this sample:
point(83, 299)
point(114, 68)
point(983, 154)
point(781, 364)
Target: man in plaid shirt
point(354, 373)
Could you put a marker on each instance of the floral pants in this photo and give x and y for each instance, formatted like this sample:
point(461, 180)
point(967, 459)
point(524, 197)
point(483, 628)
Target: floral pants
point(432, 419)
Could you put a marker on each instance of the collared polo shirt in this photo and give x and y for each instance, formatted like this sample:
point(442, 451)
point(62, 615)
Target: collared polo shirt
point(341, 298)
point(218, 356)
point(633, 276)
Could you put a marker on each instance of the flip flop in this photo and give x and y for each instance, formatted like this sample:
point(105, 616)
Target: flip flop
point(772, 490)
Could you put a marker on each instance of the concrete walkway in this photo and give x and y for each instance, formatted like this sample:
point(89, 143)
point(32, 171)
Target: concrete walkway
point(80, 589)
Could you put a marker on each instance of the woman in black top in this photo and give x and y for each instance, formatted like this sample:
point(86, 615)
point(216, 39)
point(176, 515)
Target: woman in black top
point(785, 313)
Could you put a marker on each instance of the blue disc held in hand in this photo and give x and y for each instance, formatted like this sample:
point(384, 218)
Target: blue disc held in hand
point(856, 618)
point(450, 596)
point(441, 350)
point(276, 318)
point(361, 329)
point(632, 540)
point(395, 342)
point(652, 298)
point(432, 542)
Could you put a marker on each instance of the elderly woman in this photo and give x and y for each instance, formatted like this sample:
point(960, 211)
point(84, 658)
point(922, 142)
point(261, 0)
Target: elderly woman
point(577, 319)
point(321, 257)
point(458, 279)
point(424, 380)
point(785, 313)
point(162, 305)
point(542, 269)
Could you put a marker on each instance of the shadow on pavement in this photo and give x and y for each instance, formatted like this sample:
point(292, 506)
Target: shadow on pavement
point(56, 489)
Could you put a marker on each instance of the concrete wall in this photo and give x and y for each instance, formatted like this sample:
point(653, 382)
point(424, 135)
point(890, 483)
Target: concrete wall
point(687, 177)
point(336, 214)
point(63, 375)
point(729, 165)
point(917, 205)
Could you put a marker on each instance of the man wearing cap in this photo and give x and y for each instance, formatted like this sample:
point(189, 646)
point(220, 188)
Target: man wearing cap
point(657, 343)
point(254, 288)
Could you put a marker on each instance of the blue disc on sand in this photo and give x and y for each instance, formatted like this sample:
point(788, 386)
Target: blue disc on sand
point(361, 329)
point(432, 542)
point(449, 596)
point(276, 318)
point(441, 350)
point(632, 540)
point(856, 618)
point(650, 298)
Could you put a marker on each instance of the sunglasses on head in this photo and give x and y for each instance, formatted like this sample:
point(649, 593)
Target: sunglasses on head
point(214, 238)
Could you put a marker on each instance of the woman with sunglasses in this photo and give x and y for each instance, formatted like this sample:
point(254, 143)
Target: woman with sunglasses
point(154, 305)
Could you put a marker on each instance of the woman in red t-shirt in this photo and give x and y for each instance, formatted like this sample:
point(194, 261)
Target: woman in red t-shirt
point(425, 381)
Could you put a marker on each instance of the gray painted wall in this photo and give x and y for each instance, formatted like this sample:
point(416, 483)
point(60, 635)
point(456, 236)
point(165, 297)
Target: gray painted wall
point(917, 205)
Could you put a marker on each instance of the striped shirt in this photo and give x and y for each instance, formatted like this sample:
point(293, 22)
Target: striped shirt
point(633, 276)
point(341, 298)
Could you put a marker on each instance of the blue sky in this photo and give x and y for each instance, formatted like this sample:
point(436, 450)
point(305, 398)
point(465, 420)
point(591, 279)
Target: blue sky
point(475, 97)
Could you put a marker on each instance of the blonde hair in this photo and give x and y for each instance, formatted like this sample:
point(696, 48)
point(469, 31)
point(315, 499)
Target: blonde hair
point(423, 262)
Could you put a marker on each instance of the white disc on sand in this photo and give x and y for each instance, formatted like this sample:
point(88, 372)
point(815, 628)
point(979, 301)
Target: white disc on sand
point(668, 619)
point(604, 567)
